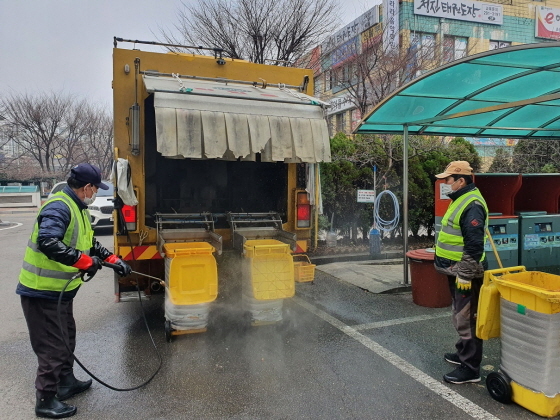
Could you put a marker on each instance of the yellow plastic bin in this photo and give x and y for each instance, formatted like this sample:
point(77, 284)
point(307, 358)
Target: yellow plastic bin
point(269, 269)
point(191, 273)
point(304, 271)
point(530, 332)
point(488, 314)
point(535, 290)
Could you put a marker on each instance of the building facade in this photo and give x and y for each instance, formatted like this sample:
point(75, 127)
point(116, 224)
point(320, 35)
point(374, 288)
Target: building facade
point(416, 36)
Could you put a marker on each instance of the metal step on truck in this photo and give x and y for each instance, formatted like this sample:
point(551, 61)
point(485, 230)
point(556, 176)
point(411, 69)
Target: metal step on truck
point(217, 181)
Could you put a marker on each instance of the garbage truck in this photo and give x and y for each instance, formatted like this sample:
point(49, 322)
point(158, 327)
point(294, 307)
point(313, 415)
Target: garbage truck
point(217, 180)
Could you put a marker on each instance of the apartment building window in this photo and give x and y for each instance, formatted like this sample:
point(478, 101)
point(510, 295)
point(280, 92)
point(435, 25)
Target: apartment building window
point(340, 122)
point(336, 77)
point(424, 44)
point(494, 45)
point(340, 76)
point(454, 47)
point(317, 86)
point(344, 75)
point(328, 80)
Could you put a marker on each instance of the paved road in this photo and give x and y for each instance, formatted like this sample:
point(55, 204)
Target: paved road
point(342, 353)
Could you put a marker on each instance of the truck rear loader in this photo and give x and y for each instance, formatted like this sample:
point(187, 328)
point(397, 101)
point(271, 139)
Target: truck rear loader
point(216, 175)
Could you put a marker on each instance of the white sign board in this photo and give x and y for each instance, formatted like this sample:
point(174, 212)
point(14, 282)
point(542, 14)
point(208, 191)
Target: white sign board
point(391, 26)
point(366, 196)
point(341, 103)
point(547, 23)
point(472, 11)
point(354, 28)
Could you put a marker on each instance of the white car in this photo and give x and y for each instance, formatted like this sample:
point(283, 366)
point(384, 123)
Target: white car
point(101, 211)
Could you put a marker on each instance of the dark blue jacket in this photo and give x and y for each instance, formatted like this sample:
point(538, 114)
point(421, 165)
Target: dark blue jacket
point(53, 220)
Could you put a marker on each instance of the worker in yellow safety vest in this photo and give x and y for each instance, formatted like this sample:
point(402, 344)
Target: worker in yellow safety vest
point(61, 245)
point(460, 256)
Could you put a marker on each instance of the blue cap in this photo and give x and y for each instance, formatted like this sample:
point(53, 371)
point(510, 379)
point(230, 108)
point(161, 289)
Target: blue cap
point(86, 172)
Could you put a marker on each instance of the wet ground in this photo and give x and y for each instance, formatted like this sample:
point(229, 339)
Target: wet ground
point(340, 353)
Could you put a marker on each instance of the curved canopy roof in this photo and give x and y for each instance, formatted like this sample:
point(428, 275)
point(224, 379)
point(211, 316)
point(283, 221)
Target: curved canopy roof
point(512, 92)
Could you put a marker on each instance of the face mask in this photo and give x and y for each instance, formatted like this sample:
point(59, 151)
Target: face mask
point(90, 200)
point(451, 186)
point(446, 189)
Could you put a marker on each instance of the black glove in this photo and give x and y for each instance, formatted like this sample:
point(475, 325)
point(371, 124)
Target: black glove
point(123, 269)
point(95, 265)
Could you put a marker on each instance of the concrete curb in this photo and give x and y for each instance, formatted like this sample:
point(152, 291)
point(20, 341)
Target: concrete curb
point(18, 211)
point(392, 257)
point(399, 289)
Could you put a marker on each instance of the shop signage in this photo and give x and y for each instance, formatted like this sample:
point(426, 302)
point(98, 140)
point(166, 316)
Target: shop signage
point(371, 36)
point(547, 23)
point(340, 103)
point(473, 11)
point(391, 23)
point(353, 29)
point(345, 52)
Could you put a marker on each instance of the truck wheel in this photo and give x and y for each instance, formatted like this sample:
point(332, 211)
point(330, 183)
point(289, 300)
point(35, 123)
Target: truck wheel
point(168, 331)
point(499, 387)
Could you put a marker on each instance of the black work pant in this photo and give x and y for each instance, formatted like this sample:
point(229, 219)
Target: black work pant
point(55, 361)
point(465, 306)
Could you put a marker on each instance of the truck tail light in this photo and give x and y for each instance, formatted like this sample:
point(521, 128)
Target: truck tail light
point(129, 214)
point(303, 210)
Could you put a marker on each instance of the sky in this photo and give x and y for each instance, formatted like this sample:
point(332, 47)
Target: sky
point(65, 45)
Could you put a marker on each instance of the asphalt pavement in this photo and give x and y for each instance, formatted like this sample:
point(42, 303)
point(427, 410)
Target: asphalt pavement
point(353, 345)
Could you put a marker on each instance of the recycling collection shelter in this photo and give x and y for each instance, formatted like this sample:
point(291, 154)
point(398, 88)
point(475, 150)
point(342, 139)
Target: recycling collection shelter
point(511, 92)
point(524, 218)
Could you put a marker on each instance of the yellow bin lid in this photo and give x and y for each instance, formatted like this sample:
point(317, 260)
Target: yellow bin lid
point(254, 247)
point(173, 249)
point(534, 290)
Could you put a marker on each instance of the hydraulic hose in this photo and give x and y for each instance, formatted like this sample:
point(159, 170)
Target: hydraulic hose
point(78, 360)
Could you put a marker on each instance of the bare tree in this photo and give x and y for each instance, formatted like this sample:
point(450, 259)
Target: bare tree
point(372, 69)
point(76, 126)
point(7, 156)
point(56, 132)
point(536, 156)
point(256, 30)
point(98, 142)
point(38, 122)
point(502, 161)
point(367, 70)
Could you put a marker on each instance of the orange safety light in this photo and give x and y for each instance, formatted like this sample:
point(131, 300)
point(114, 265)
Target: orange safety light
point(129, 214)
point(303, 210)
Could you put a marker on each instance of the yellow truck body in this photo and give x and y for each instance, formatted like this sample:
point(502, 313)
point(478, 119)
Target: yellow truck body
point(153, 138)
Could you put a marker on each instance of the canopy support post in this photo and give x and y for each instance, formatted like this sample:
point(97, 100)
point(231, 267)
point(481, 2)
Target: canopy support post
point(405, 204)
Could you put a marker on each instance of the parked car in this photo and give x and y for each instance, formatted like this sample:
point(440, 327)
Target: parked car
point(101, 211)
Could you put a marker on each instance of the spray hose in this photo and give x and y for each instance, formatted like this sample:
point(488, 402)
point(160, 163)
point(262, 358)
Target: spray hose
point(386, 225)
point(86, 279)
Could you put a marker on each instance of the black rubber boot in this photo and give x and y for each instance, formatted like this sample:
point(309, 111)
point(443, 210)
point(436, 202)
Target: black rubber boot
point(49, 406)
point(69, 386)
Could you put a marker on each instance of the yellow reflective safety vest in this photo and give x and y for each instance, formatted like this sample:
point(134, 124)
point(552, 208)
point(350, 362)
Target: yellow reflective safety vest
point(41, 273)
point(450, 243)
